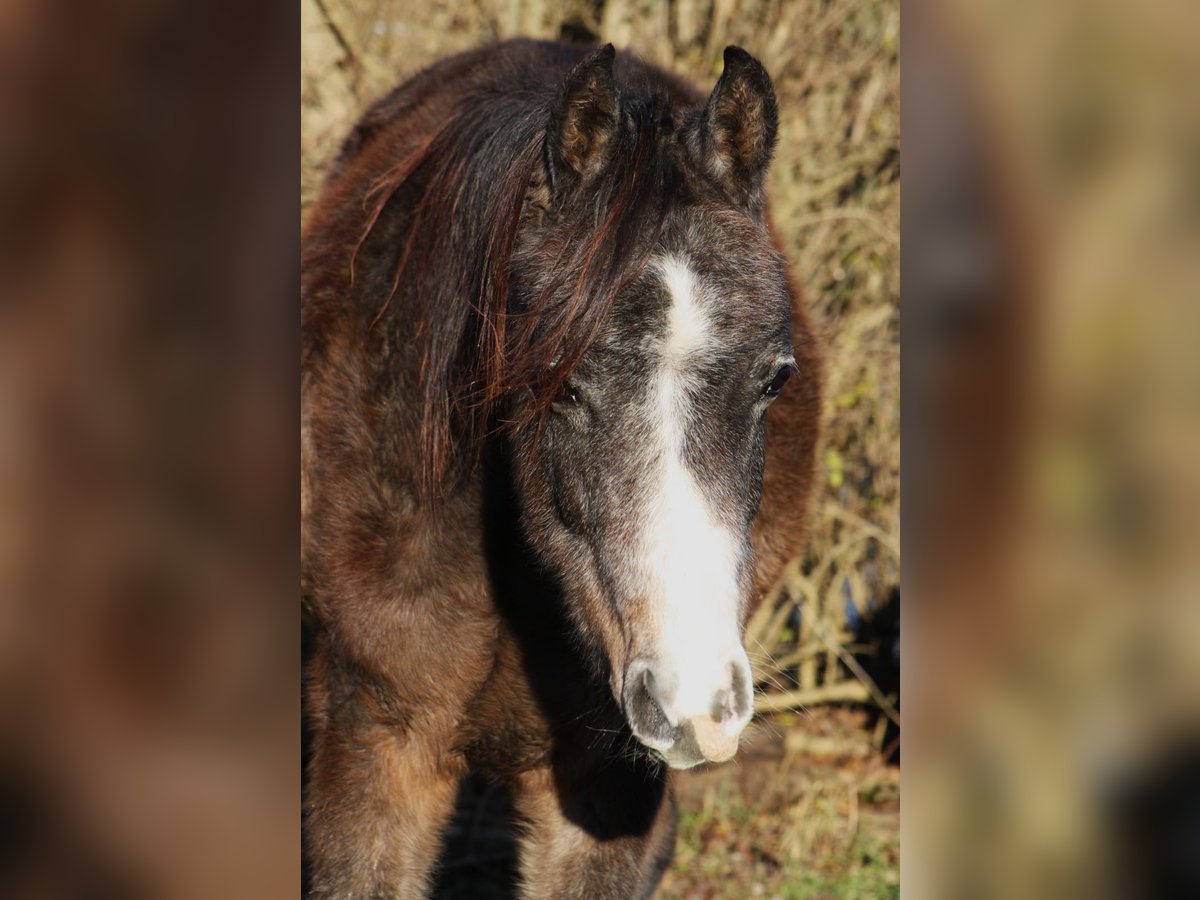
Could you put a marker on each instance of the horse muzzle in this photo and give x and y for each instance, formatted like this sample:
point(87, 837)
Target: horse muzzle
point(689, 722)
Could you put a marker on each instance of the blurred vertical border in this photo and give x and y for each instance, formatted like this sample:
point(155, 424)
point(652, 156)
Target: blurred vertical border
point(148, 652)
point(1051, 390)
point(148, 461)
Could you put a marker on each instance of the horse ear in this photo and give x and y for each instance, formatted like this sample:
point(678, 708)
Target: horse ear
point(738, 127)
point(584, 121)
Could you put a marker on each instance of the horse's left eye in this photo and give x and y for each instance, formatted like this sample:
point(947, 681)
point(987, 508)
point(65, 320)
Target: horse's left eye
point(771, 391)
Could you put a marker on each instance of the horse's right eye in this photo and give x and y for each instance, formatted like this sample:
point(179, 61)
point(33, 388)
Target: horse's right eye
point(568, 395)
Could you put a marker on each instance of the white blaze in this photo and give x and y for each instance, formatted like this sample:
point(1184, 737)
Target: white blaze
point(688, 558)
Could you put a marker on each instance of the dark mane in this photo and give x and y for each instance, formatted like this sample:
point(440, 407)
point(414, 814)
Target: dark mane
point(460, 199)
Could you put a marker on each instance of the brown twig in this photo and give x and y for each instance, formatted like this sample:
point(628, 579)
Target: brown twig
point(846, 692)
point(352, 59)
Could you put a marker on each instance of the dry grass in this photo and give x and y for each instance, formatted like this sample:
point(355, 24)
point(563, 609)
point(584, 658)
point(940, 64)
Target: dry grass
point(836, 205)
point(804, 813)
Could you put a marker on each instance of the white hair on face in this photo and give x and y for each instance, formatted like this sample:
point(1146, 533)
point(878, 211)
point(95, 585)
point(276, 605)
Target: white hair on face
point(687, 320)
point(687, 557)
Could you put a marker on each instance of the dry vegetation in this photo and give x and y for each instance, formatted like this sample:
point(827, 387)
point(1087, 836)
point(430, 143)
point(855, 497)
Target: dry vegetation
point(835, 201)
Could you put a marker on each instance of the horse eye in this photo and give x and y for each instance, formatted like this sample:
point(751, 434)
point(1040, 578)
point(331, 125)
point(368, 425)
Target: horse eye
point(567, 394)
point(776, 384)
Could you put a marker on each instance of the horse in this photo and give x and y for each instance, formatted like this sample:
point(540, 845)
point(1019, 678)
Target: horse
point(549, 464)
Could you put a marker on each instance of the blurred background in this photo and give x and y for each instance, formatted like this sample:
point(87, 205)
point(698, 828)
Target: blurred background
point(811, 806)
point(149, 711)
point(1051, 223)
point(1051, 389)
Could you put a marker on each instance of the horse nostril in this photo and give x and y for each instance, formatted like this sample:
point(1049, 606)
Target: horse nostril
point(642, 707)
point(734, 701)
point(723, 706)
